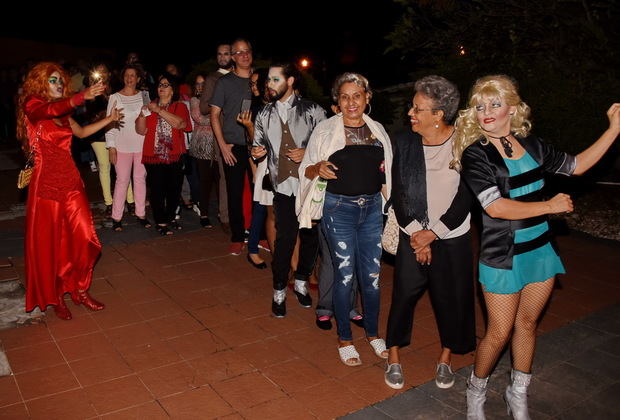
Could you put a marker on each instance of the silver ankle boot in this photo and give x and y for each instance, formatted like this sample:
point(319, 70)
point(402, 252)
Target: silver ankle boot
point(476, 396)
point(516, 395)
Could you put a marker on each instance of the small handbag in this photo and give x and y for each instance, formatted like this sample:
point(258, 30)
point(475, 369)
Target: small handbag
point(267, 185)
point(391, 232)
point(23, 179)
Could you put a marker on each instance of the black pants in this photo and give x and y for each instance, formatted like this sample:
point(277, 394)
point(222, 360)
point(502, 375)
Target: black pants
point(235, 178)
point(450, 283)
point(287, 227)
point(209, 176)
point(164, 181)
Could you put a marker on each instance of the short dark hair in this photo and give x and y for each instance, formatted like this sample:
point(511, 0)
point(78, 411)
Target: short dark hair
point(289, 70)
point(174, 83)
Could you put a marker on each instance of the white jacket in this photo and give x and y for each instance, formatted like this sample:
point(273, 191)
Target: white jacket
point(327, 138)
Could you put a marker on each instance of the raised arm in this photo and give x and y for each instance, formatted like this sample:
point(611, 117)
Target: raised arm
point(88, 130)
point(590, 156)
point(38, 109)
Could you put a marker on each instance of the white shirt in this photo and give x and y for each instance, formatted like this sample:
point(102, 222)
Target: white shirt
point(125, 139)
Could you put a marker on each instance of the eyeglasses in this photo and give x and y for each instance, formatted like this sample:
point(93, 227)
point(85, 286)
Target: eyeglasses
point(164, 85)
point(243, 52)
point(417, 110)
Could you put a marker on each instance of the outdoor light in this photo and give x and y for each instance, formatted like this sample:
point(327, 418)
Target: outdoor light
point(461, 50)
point(305, 63)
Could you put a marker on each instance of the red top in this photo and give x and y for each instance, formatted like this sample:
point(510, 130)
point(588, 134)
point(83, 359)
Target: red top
point(178, 136)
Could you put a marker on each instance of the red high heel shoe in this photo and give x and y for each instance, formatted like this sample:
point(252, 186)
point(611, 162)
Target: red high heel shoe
point(61, 310)
point(85, 299)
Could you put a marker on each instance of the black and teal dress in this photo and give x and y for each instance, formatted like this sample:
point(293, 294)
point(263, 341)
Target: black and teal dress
point(533, 266)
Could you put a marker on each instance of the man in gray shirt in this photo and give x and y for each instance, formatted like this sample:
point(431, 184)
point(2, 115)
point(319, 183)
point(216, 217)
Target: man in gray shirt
point(230, 91)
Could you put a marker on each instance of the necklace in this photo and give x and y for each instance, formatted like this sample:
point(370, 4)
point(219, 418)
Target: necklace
point(356, 135)
point(506, 144)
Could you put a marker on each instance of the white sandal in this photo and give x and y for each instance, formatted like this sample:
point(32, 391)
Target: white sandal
point(347, 353)
point(378, 345)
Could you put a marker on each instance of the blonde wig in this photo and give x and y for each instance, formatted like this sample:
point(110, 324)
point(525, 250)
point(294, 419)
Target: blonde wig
point(468, 130)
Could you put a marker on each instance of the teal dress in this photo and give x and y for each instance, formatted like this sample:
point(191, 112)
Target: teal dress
point(529, 267)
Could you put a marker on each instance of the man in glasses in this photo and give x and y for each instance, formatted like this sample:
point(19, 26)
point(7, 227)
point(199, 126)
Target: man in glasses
point(225, 64)
point(230, 91)
point(281, 131)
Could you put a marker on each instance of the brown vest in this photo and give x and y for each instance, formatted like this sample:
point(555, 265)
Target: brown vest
point(286, 167)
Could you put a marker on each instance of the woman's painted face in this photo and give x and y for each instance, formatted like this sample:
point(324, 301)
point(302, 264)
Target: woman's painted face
point(421, 114)
point(56, 86)
point(199, 85)
point(494, 115)
point(130, 78)
point(352, 100)
point(164, 89)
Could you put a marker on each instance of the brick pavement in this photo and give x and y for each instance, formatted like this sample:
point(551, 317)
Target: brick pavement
point(187, 334)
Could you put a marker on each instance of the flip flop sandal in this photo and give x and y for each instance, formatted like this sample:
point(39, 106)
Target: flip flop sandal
point(347, 353)
point(378, 345)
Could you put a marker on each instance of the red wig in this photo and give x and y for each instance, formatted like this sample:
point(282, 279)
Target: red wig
point(36, 83)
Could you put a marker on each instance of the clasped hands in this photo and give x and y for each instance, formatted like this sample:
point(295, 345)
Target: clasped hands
point(420, 242)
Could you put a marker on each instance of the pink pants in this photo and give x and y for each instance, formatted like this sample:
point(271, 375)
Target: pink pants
point(124, 163)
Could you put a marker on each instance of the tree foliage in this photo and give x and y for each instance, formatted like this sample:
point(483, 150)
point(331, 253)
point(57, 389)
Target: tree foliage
point(564, 53)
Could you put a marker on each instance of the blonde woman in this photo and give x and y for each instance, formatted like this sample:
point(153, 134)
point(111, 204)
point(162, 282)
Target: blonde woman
point(505, 165)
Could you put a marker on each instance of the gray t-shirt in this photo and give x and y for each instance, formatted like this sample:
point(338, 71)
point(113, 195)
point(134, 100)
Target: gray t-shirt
point(230, 91)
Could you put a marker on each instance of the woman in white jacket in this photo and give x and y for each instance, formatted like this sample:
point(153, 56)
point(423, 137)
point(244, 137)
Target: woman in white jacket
point(345, 178)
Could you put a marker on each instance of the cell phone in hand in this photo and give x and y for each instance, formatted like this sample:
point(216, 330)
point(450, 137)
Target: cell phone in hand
point(146, 99)
point(245, 105)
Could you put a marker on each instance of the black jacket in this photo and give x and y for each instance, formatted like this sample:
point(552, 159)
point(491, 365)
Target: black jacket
point(486, 174)
point(407, 145)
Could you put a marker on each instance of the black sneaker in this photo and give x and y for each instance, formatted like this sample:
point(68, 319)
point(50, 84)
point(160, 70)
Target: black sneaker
point(304, 300)
point(278, 309)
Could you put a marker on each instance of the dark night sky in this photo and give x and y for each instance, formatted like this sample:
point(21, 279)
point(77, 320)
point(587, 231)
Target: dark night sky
point(336, 35)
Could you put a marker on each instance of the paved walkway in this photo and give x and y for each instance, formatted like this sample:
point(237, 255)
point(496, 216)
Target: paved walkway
point(187, 333)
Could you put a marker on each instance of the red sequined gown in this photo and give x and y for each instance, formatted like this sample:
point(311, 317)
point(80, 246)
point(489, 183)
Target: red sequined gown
point(61, 246)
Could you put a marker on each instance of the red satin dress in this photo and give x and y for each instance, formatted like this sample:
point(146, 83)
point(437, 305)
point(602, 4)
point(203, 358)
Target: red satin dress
point(61, 245)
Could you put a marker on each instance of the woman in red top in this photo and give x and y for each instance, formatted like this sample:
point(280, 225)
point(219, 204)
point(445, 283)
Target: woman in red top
point(163, 123)
point(61, 246)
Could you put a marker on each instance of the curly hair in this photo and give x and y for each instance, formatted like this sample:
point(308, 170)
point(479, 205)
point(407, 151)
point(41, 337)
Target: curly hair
point(468, 130)
point(36, 83)
point(443, 93)
point(356, 78)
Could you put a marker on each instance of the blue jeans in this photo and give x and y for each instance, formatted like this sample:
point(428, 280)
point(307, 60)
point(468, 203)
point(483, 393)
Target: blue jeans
point(353, 227)
point(259, 215)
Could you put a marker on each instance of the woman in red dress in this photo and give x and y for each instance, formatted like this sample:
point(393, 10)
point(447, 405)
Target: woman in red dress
point(61, 246)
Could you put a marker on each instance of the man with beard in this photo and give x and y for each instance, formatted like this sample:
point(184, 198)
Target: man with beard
point(281, 131)
point(225, 64)
point(228, 95)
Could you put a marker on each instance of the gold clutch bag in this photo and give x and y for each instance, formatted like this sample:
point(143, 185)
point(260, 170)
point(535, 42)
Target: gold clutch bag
point(23, 179)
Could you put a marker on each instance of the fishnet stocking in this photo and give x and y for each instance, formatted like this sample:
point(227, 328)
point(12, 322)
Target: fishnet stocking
point(534, 297)
point(505, 312)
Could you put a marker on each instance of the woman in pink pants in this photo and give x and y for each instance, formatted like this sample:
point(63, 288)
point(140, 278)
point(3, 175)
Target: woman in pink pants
point(125, 147)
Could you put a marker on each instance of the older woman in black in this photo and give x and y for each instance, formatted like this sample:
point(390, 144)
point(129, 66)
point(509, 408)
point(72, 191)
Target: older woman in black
point(431, 205)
